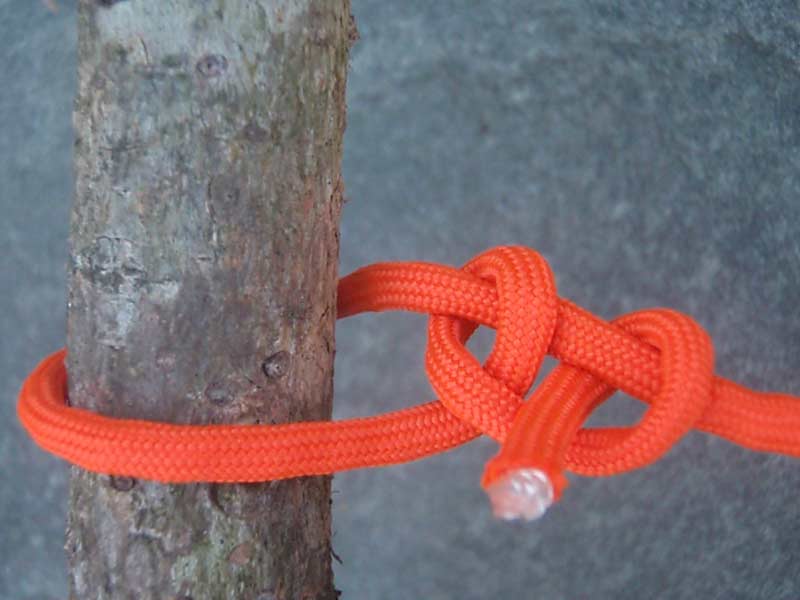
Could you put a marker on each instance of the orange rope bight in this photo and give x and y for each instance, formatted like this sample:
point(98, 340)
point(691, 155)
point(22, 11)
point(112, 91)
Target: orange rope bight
point(659, 356)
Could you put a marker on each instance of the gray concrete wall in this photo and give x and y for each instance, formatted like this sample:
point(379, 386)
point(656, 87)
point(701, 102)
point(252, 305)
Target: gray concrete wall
point(650, 150)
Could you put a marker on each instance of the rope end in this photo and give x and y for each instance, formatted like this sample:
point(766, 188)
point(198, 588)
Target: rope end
point(521, 494)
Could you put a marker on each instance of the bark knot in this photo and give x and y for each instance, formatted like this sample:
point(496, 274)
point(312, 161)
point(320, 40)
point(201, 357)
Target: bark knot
point(277, 365)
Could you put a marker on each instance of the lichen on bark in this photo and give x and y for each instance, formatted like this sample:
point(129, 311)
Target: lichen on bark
point(204, 243)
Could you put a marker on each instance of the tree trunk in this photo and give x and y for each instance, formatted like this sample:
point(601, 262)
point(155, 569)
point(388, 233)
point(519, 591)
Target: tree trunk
point(204, 246)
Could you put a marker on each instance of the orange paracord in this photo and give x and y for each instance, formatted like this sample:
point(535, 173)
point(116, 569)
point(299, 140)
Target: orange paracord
point(659, 356)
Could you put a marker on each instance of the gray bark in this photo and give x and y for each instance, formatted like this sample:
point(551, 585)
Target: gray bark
point(204, 245)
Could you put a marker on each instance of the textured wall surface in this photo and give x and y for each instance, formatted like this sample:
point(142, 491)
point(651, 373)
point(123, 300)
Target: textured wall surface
point(650, 150)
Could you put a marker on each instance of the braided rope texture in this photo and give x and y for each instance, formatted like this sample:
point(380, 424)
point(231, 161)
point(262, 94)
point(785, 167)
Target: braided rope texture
point(659, 356)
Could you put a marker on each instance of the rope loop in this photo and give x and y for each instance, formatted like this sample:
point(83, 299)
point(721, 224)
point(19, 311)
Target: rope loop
point(658, 356)
point(489, 397)
point(687, 371)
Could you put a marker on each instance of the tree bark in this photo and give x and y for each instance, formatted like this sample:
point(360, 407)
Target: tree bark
point(204, 248)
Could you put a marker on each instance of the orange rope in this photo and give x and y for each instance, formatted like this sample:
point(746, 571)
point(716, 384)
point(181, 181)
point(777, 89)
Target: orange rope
point(659, 356)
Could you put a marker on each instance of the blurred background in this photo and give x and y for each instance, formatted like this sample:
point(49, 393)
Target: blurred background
point(649, 149)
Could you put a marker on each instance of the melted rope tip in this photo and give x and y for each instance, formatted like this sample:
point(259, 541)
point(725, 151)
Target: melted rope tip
point(521, 494)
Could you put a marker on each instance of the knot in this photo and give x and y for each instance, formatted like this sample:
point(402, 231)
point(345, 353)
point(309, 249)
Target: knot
point(537, 436)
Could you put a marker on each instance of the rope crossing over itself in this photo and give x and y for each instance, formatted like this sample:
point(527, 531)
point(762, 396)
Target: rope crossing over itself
point(659, 356)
